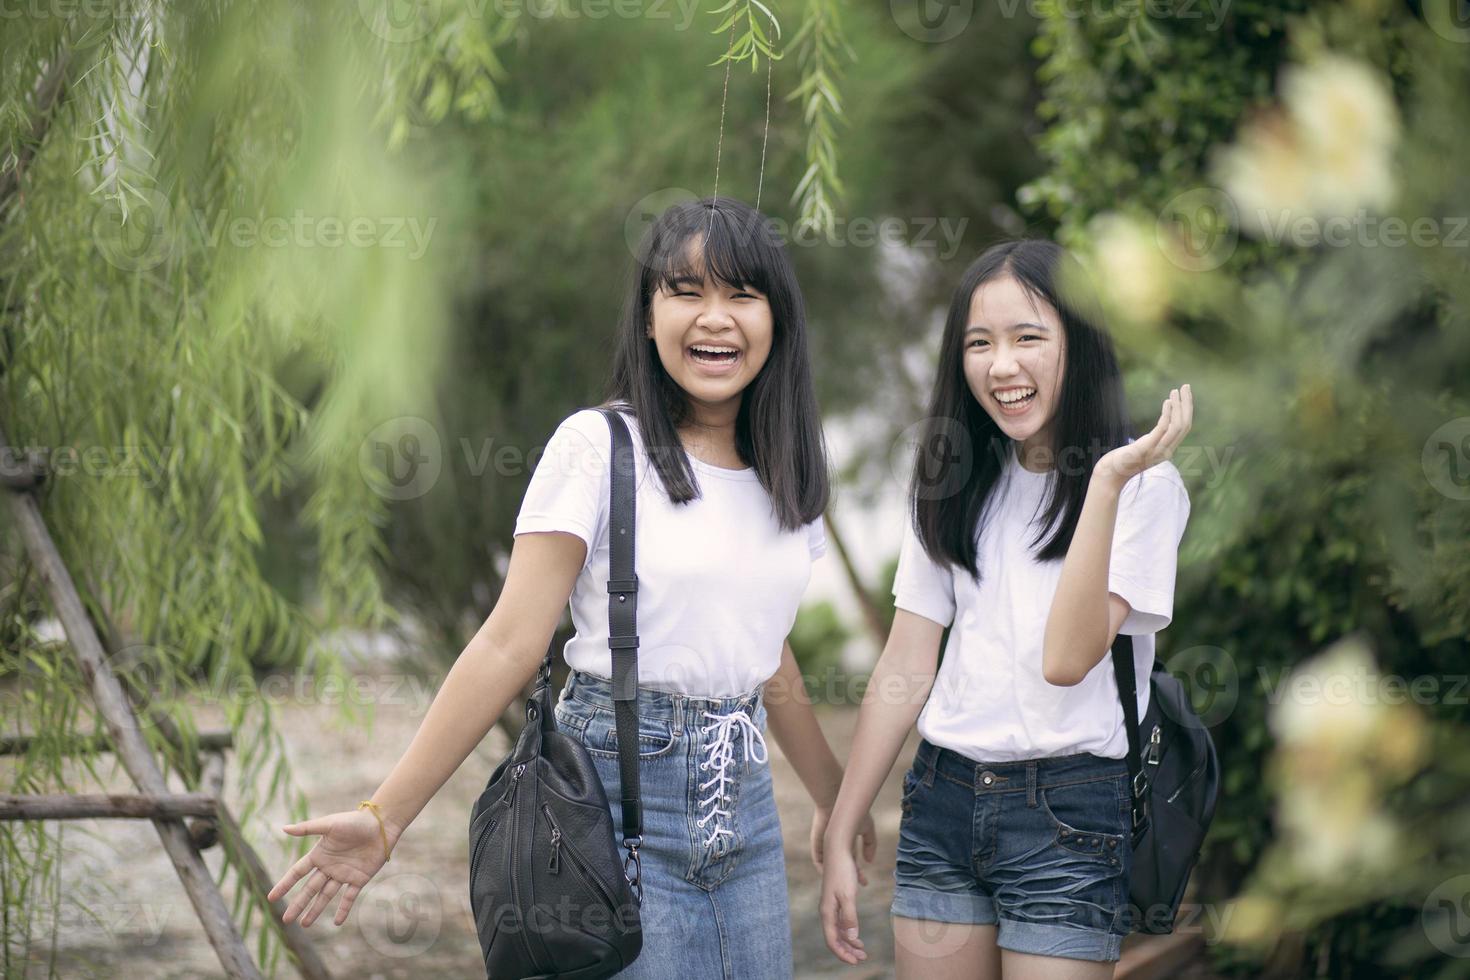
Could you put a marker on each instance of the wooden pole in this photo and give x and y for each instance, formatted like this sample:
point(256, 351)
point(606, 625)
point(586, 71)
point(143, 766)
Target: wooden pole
point(77, 806)
point(204, 831)
point(90, 743)
point(122, 725)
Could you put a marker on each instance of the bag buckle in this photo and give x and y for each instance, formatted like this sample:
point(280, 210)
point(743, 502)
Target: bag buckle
point(634, 861)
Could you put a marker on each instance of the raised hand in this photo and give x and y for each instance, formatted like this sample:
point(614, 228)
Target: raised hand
point(1126, 462)
point(349, 853)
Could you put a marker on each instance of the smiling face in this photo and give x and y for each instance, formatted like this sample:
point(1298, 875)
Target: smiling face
point(1014, 349)
point(712, 338)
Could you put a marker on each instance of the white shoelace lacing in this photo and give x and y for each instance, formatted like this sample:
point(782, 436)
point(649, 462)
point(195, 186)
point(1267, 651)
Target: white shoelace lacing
point(721, 754)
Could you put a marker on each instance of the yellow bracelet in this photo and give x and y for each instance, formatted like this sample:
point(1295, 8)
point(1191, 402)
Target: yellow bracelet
point(375, 809)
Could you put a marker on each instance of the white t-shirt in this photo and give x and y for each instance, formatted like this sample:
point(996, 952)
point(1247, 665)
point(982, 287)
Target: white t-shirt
point(719, 582)
point(990, 701)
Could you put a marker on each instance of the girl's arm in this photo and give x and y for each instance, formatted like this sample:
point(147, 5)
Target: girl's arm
point(896, 692)
point(493, 667)
point(1085, 617)
point(790, 718)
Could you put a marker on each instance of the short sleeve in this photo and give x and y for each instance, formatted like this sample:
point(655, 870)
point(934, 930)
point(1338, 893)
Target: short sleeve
point(816, 538)
point(1152, 512)
point(568, 490)
point(921, 585)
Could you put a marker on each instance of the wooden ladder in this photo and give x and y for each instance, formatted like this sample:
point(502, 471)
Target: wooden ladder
point(212, 818)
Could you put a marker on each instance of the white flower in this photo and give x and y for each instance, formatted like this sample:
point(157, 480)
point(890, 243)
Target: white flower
point(1328, 151)
point(1131, 272)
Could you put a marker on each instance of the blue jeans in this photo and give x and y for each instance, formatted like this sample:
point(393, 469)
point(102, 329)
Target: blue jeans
point(1038, 848)
point(714, 872)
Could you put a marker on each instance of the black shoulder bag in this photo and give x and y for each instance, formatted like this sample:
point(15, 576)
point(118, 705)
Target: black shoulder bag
point(551, 898)
point(1175, 781)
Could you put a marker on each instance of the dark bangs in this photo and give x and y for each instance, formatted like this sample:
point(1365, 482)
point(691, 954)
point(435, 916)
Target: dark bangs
point(731, 248)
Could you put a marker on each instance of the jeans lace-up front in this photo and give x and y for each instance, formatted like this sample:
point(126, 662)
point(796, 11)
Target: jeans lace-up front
point(721, 755)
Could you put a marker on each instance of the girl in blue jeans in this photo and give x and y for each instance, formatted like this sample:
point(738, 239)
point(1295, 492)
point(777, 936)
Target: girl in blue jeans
point(710, 367)
point(1039, 532)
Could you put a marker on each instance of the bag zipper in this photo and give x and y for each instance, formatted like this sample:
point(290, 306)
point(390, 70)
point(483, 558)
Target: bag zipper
point(584, 871)
point(515, 890)
point(506, 801)
point(1187, 780)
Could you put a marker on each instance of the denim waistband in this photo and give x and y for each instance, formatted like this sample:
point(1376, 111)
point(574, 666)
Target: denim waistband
point(653, 703)
point(1023, 774)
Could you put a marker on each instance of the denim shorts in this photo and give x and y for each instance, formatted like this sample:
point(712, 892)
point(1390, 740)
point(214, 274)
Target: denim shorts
point(714, 870)
point(1038, 848)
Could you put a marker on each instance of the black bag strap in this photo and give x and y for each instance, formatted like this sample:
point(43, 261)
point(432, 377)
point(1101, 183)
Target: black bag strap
point(1125, 673)
point(622, 637)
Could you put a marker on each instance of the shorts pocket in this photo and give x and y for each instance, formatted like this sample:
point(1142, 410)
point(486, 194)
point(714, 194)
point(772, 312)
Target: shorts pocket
point(1085, 817)
point(910, 783)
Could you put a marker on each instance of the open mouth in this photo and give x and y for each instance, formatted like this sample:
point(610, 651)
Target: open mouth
point(714, 356)
point(1015, 401)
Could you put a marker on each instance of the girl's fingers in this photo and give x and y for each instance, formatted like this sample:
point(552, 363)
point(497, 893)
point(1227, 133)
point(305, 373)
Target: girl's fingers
point(299, 870)
point(323, 900)
point(318, 826)
point(847, 928)
point(348, 897)
point(304, 897)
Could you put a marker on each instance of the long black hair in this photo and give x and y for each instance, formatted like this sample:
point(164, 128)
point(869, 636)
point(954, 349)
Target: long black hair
point(962, 452)
point(778, 431)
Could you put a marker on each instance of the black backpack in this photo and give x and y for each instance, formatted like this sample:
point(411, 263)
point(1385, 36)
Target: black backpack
point(550, 897)
point(1175, 777)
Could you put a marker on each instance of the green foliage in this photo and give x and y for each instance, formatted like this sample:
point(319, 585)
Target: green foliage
point(745, 20)
point(1320, 375)
point(821, 48)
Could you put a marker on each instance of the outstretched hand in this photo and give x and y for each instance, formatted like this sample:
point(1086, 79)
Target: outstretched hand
point(1126, 462)
point(349, 853)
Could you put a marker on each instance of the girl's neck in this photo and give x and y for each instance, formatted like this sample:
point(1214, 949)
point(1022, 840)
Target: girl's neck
point(709, 435)
point(1035, 454)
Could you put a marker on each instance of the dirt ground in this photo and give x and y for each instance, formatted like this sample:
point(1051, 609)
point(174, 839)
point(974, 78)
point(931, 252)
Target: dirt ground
point(123, 913)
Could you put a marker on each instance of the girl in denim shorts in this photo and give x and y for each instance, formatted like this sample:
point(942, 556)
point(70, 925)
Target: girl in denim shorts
point(1039, 532)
